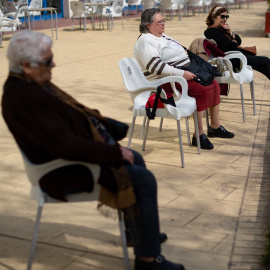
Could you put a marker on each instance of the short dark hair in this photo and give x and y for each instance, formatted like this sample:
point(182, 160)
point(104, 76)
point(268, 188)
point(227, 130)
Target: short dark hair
point(213, 13)
point(148, 17)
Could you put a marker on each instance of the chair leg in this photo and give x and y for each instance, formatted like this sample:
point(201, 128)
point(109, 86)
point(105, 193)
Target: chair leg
point(188, 133)
point(122, 22)
point(131, 131)
point(242, 101)
point(180, 143)
point(160, 124)
point(41, 21)
point(84, 24)
point(34, 239)
point(207, 118)
point(72, 24)
point(197, 132)
point(124, 240)
point(145, 134)
point(253, 96)
point(143, 126)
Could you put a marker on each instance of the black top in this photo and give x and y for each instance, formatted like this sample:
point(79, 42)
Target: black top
point(223, 40)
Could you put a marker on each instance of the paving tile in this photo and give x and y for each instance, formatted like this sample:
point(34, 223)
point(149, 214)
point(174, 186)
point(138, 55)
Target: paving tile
point(211, 206)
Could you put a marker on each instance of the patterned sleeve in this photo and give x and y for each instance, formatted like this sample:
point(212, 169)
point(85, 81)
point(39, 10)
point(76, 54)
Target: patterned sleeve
point(148, 56)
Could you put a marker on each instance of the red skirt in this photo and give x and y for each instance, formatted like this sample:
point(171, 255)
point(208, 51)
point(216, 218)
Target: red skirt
point(206, 96)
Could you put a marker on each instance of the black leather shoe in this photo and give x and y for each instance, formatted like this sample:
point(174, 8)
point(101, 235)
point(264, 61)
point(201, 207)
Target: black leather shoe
point(160, 263)
point(220, 132)
point(162, 238)
point(205, 143)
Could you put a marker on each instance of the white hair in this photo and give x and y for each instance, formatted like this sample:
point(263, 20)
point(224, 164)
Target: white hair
point(27, 46)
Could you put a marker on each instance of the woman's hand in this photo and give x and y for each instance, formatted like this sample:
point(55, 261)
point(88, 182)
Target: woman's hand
point(189, 76)
point(228, 28)
point(127, 155)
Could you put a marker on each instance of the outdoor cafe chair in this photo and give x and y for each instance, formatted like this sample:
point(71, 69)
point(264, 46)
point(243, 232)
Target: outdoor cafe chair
point(244, 75)
point(140, 89)
point(78, 12)
point(12, 12)
point(114, 11)
point(8, 25)
point(36, 171)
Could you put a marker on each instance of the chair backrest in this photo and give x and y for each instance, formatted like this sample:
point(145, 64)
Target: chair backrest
point(169, 4)
point(36, 4)
point(117, 6)
point(10, 7)
point(132, 74)
point(2, 10)
point(77, 8)
point(149, 4)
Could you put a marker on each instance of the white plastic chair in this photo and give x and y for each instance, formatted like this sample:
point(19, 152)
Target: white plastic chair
point(35, 4)
point(140, 89)
point(78, 12)
point(12, 11)
point(171, 6)
point(114, 11)
point(7, 25)
point(245, 75)
point(35, 172)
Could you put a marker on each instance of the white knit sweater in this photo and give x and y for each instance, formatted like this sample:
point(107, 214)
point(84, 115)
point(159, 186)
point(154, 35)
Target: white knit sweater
point(159, 56)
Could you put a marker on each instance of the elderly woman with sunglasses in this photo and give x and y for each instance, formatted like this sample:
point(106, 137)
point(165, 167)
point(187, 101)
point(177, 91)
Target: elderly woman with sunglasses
point(159, 56)
point(219, 30)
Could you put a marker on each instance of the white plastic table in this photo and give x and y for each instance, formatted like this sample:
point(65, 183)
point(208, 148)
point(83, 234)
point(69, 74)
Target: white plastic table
point(100, 5)
point(51, 9)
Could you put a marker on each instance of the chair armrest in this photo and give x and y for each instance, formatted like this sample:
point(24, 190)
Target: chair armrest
point(232, 52)
point(4, 19)
point(173, 79)
point(240, 56)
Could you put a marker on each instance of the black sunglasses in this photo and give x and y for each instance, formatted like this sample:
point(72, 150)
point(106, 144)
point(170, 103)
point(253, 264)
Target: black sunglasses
point(47, 62)
point(224, 16)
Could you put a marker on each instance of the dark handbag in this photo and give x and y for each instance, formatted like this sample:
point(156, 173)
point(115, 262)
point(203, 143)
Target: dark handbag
point(204, 71)
point(118, 130)
point(155, 101)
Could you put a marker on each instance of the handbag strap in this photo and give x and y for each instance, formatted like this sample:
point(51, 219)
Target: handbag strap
point(151, 114)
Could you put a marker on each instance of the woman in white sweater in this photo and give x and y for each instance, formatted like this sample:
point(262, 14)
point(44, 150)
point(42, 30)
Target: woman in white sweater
point(159, 56)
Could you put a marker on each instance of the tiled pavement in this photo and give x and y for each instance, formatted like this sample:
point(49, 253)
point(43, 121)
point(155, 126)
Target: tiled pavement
point(214, 211)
